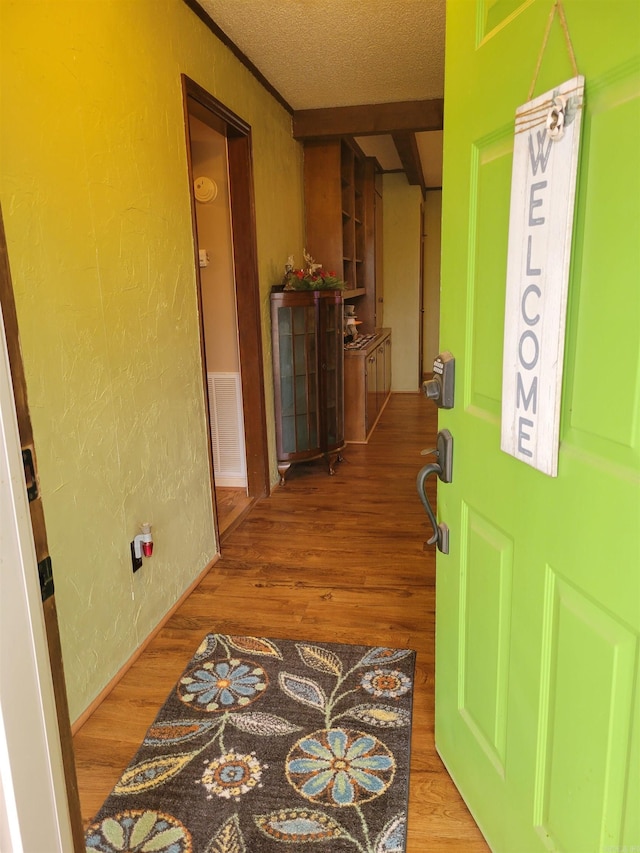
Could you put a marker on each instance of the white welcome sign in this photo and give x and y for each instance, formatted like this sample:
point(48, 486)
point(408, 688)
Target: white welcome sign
point(545, 162)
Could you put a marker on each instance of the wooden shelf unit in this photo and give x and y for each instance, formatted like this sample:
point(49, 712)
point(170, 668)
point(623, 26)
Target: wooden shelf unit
point(342, 224)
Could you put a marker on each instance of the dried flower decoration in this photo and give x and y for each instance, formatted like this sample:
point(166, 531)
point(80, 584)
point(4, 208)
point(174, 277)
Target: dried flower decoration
point(312, 277)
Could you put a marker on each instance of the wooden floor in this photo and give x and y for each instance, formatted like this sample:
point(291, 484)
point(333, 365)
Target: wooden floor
point(323, 559)
point(231, 504)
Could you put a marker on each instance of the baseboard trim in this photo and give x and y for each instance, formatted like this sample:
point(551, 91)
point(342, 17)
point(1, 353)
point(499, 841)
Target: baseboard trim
point(237, 521)
point(82, 719)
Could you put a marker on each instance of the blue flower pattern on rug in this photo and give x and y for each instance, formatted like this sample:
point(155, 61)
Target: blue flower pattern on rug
point(223, 685)
point(340, 767)
point(319, 786)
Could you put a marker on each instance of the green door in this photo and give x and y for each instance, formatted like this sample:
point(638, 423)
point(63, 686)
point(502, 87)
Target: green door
point(538, 601)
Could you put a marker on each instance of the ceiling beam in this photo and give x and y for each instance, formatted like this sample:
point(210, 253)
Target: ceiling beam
point(368, 119)
point(407, 147)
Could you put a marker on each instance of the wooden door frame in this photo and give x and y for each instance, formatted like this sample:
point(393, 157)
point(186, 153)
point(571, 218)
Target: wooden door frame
point(243, 227)
point(41, 548)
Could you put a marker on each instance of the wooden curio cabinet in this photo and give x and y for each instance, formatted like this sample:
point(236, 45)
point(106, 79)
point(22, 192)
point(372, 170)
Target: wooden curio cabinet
point(308, 370)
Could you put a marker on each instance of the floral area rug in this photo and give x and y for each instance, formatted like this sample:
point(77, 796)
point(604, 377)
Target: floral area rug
point(266, 746)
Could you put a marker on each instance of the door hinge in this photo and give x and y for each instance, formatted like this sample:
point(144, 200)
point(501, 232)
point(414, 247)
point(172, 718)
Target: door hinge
point(45, 573)
point(29, 473)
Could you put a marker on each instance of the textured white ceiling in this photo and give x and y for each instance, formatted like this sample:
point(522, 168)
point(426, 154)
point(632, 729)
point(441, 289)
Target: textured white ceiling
point(337, 53)
point(331, 53)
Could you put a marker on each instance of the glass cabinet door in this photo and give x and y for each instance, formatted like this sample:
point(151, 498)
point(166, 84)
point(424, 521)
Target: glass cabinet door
point(298, 379)
point(308, 367)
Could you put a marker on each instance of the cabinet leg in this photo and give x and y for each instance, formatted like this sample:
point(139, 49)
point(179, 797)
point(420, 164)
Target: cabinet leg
point(283, 467)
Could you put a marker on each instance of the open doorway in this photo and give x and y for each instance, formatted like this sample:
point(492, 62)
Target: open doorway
point(219, 153)
point(219, 320)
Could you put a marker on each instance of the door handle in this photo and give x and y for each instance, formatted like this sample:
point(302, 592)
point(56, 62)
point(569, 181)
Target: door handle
point(443, 469)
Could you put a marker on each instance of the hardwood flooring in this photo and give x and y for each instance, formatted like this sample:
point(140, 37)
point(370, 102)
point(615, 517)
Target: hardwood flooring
point(231, 505)
point(338, 559)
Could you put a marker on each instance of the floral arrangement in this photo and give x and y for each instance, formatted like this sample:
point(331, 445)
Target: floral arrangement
point(312, 277)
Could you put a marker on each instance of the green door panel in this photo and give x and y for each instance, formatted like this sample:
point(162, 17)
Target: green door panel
point(538, 601)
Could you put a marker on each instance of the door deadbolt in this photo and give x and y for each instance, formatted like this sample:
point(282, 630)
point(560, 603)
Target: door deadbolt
point(441, 388)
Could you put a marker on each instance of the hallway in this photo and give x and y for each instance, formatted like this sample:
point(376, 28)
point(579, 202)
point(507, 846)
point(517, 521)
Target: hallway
point(336, 559)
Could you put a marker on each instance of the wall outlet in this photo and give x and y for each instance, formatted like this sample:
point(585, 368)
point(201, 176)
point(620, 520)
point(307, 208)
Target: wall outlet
point(136, 562)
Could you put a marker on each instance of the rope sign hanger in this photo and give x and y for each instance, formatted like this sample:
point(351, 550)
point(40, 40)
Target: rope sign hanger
point(558, 9)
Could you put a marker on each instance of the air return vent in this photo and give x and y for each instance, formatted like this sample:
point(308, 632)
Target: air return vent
point(227, 429)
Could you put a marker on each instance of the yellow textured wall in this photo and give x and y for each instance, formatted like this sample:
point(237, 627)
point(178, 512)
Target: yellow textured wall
point(401, 268)
point(95, 198)
point(431, 283)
